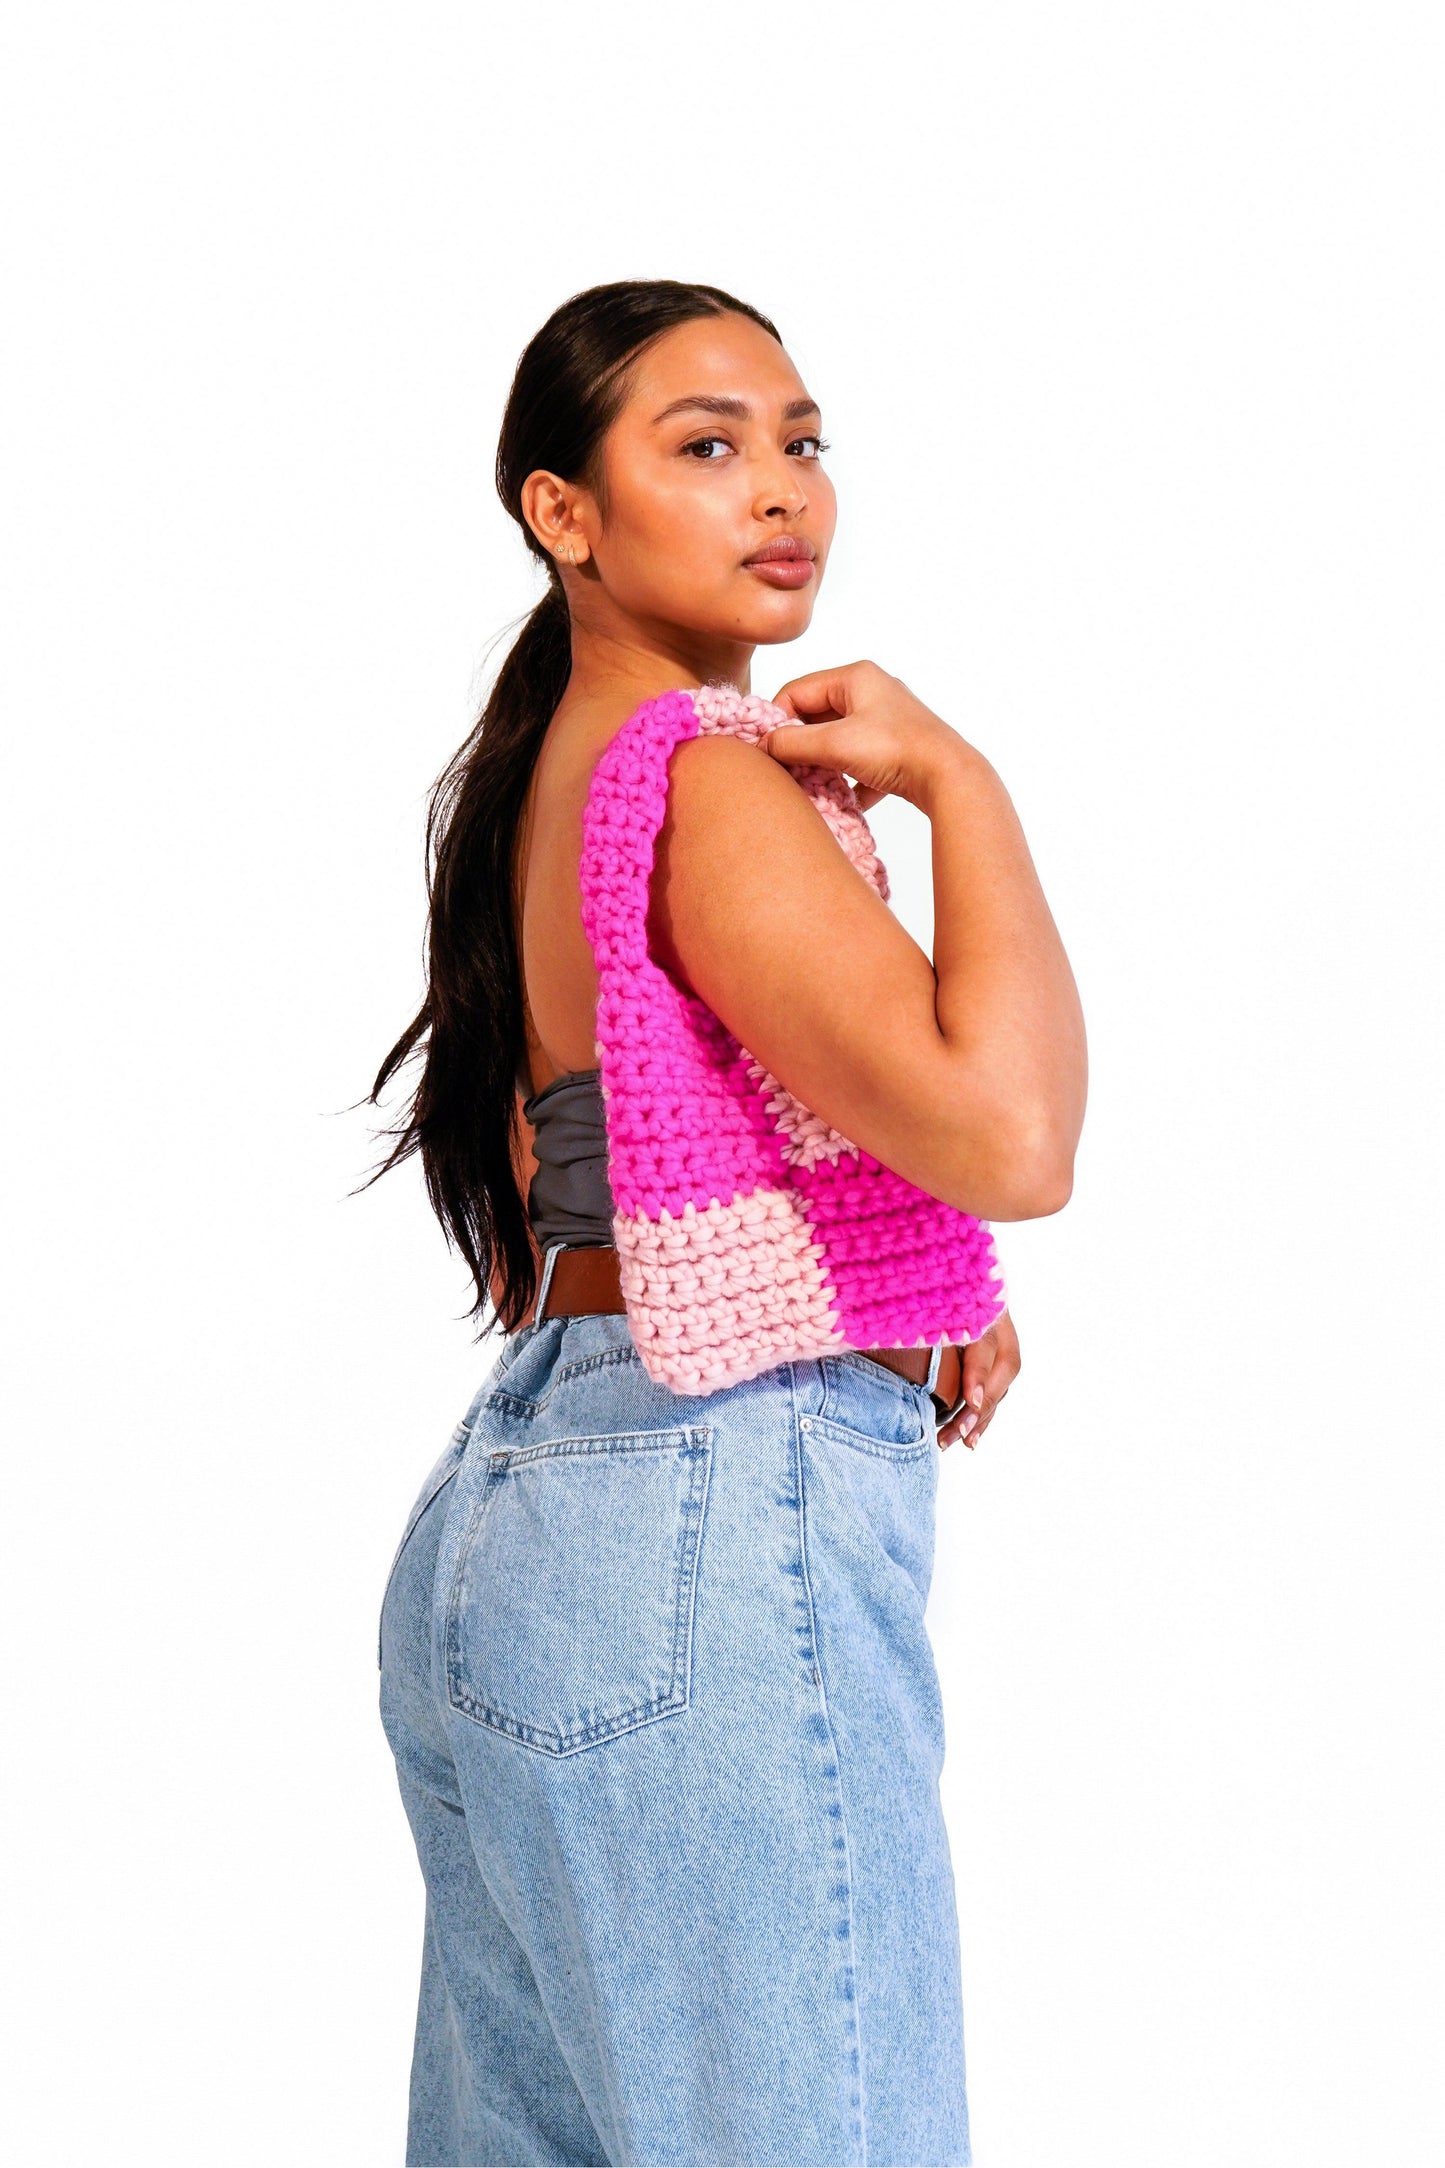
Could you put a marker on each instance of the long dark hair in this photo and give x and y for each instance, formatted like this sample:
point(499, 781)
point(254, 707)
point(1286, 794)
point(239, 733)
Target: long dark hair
point(462, 1116)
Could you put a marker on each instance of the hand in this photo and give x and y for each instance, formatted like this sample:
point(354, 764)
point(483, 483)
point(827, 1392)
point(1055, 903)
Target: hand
point(867, 725)
point(990, 1365)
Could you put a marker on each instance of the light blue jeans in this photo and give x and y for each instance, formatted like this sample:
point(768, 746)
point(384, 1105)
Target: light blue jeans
point(665, 1716)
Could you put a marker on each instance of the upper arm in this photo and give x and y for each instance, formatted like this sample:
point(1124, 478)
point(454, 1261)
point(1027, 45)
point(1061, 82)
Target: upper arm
point(756, 907)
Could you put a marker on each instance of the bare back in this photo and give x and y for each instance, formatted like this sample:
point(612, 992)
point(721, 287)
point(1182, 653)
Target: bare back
point(559, 973)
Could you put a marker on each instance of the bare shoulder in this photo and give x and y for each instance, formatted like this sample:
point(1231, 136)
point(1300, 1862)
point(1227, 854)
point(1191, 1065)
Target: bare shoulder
point(723, 790)
point(746, 868)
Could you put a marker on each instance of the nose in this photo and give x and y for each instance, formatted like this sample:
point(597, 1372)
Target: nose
point(781, 494)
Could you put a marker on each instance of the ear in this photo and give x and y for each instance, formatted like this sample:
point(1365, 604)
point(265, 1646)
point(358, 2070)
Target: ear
point(557, 513)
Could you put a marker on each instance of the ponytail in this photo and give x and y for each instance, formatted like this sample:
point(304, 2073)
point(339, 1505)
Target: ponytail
point(463, 1113)
point(468, 1033)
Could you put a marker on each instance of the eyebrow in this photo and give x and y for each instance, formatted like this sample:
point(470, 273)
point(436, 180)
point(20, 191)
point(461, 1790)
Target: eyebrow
point(736, 409)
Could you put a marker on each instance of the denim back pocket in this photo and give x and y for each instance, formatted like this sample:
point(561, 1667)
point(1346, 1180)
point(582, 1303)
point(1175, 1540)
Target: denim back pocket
point(569, 1617)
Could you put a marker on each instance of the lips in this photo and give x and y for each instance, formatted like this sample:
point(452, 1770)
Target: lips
point(786, 546)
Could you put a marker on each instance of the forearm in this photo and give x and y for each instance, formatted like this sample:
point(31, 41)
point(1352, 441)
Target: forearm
point(1007, 1006)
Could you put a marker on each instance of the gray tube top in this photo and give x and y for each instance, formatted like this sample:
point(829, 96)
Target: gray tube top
point(569, 1198)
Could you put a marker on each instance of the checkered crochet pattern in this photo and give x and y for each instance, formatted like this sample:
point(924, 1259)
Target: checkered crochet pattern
point(749, 1232)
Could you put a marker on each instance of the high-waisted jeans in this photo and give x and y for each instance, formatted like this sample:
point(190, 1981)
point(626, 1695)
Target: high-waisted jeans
point(665, 1716)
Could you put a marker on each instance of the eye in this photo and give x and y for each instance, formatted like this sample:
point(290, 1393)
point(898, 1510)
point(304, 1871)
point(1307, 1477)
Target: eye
point(697, 448)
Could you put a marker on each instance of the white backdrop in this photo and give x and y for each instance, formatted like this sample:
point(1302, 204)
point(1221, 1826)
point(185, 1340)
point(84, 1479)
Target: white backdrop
point(1127, 327)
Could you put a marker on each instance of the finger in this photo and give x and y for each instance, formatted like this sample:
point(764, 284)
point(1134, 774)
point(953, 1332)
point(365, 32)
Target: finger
point(979, 1357)
point(996, 1385)
point(975, 1368)
point(952, 1431)
point(813, 695)
point(827, 692)
point(990, 1365)
point(1004, 1367)
point(809, 745)
point(815, 750)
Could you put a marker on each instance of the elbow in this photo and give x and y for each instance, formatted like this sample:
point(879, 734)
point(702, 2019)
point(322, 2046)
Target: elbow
point(1024, 1171)
point(1043, 1189)
point(1039, 1163)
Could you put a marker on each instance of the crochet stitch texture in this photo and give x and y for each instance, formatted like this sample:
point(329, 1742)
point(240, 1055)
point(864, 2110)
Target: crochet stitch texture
point(749, 1231)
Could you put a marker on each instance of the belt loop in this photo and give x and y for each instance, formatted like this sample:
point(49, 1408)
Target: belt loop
point(933, 1363)
point(549, 1260)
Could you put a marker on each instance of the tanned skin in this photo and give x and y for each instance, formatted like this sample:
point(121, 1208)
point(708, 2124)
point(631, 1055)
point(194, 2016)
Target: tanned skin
point(966, 1074)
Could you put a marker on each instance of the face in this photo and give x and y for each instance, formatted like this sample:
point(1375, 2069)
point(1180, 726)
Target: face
point(713, 457)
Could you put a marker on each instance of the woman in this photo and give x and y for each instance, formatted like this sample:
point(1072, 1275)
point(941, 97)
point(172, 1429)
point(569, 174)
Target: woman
point(710, 1920)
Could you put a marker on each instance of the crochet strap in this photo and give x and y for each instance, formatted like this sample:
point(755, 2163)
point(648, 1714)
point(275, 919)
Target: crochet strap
point(749, 1231)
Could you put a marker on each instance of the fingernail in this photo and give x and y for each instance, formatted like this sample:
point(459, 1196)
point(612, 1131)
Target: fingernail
point(975, 1398)
point(968, 1423)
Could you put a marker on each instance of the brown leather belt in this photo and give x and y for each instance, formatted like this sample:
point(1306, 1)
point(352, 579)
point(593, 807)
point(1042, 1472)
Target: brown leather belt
point(585, 1281)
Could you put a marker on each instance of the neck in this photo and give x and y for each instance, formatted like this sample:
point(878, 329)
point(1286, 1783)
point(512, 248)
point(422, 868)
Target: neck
point(635, 665)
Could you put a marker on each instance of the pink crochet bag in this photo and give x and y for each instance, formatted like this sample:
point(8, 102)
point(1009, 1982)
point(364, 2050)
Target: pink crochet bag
point(749, 1232)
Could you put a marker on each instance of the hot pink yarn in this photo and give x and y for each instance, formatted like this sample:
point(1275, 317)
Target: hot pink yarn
point(749, 1232)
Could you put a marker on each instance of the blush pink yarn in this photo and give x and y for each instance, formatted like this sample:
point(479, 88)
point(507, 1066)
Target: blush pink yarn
point(749, 1232)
